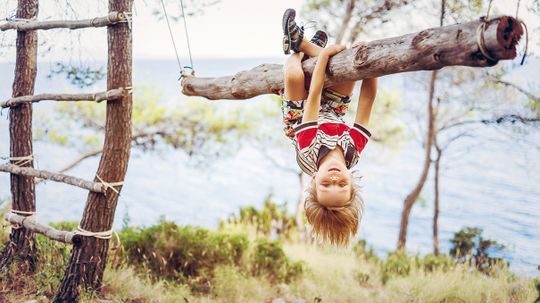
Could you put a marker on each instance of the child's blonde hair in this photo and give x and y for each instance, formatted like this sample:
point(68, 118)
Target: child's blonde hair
point(336, 225)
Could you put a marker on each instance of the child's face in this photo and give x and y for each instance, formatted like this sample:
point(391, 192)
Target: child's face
point(333, 184)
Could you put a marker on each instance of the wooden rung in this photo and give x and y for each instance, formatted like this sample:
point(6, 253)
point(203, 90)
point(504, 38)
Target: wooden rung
point(97, 97)
point(47, 231)
point(43, 174)
point(28, 25)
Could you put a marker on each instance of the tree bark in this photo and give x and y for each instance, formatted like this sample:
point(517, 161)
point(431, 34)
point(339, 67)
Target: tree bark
point(436, 200)
point(413, 195)
point(429, 49)
point(87, 262)
point(21, 241)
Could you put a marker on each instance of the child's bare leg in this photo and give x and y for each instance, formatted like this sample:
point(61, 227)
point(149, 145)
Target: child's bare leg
point(294, 78)
point(344, 88)
point(309, 48)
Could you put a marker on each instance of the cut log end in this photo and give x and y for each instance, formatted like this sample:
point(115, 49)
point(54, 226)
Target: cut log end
point(77, 240)
point(509, 31)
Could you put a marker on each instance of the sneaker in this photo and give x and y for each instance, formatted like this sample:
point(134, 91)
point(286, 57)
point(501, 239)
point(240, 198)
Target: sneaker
point(320, 39)
point(290, 29)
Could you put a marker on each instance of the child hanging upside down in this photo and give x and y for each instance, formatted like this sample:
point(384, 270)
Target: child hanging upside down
point(326, 148)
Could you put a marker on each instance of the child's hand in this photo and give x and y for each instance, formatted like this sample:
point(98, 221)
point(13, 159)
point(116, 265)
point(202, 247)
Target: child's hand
point(333, 49)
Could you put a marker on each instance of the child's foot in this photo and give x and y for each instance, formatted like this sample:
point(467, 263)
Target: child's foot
point(292, 33)
point(320, 39)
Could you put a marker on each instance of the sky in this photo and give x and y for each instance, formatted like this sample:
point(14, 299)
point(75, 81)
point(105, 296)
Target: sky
point(230, 28)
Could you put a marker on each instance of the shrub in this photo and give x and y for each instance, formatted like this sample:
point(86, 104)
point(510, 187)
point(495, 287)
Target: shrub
point(272, 219)
point(468, 246)
point(360, 250)
point(396, 264)
point(186, 254)
point(432, 263)
point(268, 259)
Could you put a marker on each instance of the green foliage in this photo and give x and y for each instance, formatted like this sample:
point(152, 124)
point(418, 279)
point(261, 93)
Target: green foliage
point(397, 264)
point(268, 259)
point(468, 246)
point(202, 129)
point(386, 121)
point(360, 250)
point(169, 251)
point(81, 76)
point(190, 254)
point(431, 263)
point(271, 219)
point(52, 257)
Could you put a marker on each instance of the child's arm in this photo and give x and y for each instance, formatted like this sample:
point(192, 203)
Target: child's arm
point(313, 102)
point(368, 92)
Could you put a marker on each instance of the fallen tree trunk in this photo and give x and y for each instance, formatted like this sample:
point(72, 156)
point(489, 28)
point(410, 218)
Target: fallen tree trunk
point(429, 49)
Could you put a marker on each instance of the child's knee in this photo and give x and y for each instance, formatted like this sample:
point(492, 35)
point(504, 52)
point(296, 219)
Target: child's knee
point(294, 73)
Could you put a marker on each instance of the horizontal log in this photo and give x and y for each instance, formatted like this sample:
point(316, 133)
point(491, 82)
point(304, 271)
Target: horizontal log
point(43, 174)
point(29, 25)
point(49, 232)
point(96, 97)
point(429, 49)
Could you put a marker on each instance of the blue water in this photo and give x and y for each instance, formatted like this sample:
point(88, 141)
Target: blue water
point(493, 185)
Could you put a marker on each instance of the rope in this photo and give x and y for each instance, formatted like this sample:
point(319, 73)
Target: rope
point(187, 35)
point(526, 42)
point(526, 33)
point(107, 234)
point(183, 72)
point(481, 41)
point(19, 161)
point(489, 8)
point(172, 36)
point(110, 184)
point(30, 215)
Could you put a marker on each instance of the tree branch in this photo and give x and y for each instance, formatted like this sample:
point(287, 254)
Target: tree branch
point(47, 231)
point(43, 174)
point(512, 118)
point(429, 49)
point(97, 97)
point(29, 25)
point(519, 89)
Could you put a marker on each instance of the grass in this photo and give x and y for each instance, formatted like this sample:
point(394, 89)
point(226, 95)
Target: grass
point(327, 275)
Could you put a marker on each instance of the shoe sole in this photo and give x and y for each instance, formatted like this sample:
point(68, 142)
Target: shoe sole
point(285, 26)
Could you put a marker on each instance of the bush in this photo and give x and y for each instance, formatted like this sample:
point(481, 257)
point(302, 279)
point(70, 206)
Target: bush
point(187, 254)
point(468, 246)
point(272, 219)
point(268, 259)
point(432, 263)
point(396, 264)
point(362, 252)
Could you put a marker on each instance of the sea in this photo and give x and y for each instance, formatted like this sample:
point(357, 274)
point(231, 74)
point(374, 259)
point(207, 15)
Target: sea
point(493, 184)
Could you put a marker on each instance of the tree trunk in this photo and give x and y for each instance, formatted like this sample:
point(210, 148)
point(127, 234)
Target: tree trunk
point(429, 49)
point(436, 206)
point(346, 21)
point(21, 241)
point(413, 195)
point(87, 261)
